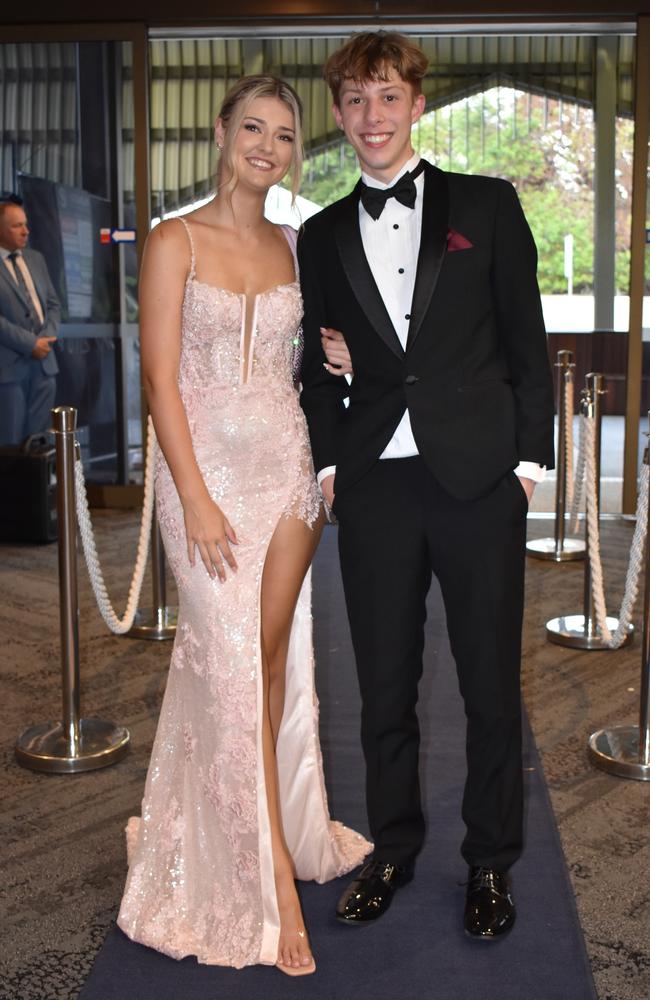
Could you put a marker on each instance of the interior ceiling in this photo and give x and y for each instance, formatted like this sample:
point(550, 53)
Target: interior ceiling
point(190, 78)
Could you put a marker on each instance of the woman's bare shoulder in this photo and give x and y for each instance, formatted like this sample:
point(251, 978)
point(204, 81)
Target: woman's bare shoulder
point(169, 231)
point(168, 250)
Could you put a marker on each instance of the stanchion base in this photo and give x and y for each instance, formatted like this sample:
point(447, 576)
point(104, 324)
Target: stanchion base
point(617, 750)
point(569, 630)
point(46, 747)
point(149, 624)
point(544, 548)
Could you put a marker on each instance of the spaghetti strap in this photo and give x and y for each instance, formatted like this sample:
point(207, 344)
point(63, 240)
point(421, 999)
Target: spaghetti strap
point(291, 237)
point(192, 273)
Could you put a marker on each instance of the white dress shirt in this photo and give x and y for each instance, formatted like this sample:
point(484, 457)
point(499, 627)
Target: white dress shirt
point(392, 244)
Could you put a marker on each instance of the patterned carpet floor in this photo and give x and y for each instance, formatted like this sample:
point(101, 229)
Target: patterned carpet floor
point(62, 847)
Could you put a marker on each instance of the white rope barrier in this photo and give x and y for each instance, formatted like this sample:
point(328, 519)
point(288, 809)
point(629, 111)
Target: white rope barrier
point(612, 639)
point(115, 624)
point(577, 487)
point(636, 562)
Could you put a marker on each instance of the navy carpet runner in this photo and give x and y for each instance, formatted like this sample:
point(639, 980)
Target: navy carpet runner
point(418, 950)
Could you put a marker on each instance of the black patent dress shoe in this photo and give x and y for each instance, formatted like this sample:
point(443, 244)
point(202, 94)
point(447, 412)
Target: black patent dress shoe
point(489, 906)
point(371, 893)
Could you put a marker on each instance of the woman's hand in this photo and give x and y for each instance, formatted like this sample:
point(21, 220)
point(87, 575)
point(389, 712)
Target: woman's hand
point(207, 528)
point(336, 352)
point(327, 489)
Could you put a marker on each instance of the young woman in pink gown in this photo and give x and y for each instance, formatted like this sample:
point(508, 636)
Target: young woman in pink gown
point(234, 805)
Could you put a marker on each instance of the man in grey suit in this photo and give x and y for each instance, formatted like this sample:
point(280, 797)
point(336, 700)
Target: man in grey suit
point(30, 314)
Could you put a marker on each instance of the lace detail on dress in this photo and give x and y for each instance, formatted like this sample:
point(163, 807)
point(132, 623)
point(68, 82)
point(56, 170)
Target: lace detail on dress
point(298, 342)
point(200, 864)
point(260, 418)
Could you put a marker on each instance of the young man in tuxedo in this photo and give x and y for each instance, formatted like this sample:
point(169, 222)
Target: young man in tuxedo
point(431, 278)
point(30, 315)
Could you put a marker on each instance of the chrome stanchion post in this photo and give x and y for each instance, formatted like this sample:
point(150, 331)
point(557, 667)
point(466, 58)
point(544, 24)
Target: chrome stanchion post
point(75, 744)
point(593, 412)
point(559, 548)
point(642, 764)
point(625, 750)
point(159, 621)
point(64, 428)
point(581, 631)
point(158, 573)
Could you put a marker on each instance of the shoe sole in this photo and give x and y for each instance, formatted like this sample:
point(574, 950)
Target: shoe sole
point(487, 937)
point(358, 923)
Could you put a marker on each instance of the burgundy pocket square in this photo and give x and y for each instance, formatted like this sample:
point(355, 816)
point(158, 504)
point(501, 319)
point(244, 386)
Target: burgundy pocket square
point(456, 241)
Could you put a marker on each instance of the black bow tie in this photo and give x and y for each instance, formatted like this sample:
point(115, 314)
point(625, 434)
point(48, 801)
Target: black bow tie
point(373, 199)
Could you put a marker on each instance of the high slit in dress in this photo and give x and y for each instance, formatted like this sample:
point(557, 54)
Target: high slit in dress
point(200, 879)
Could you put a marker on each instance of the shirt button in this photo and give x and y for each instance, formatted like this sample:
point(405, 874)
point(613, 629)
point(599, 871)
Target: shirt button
point(395, 226)
point(411, 379)
point(408, 316)
point(400, 270)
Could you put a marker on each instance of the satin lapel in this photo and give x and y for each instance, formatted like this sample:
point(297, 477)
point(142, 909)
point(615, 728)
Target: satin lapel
point(433, 246)
point(355, 264)
point(9, 281)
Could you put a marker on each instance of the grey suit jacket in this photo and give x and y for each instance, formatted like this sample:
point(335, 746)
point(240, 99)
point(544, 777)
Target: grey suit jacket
point(17, 339)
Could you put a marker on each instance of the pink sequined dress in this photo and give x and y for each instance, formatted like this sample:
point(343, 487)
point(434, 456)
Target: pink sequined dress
point(200, 878)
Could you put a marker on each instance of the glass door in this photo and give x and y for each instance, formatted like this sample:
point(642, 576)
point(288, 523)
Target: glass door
point(67, 159)
point(553, 114)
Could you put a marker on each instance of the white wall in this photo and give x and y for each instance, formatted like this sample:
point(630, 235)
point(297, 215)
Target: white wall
point(575, 313)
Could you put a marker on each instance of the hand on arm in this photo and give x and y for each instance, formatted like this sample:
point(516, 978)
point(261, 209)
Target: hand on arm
point(326, 484)
point(336, 352)
point(162, 283)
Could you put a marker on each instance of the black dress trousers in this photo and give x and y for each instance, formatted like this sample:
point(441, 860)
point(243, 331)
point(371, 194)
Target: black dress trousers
point(397, 526)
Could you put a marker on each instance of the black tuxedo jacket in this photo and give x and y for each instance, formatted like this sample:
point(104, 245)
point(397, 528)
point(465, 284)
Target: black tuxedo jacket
point(475, 375)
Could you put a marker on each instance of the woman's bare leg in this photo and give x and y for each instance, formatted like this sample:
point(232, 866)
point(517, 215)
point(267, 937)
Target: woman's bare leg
point(288, 558)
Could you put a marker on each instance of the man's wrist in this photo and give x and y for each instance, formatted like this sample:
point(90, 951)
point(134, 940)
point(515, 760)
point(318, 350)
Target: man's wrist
point(531, 470)
point(329, 470)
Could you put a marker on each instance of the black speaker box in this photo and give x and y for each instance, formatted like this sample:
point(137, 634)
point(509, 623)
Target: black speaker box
point(28, 492)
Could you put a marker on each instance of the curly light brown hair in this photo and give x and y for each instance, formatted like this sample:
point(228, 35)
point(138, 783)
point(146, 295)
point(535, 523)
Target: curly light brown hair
point(371, 55)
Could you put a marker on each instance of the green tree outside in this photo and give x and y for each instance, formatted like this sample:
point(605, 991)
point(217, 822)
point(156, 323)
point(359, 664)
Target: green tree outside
point(544, 148)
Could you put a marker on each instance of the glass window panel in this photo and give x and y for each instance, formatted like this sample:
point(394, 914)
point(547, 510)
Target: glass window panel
point(66, 148)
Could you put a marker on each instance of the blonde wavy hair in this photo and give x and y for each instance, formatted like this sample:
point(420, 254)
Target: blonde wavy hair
point(233, 111)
